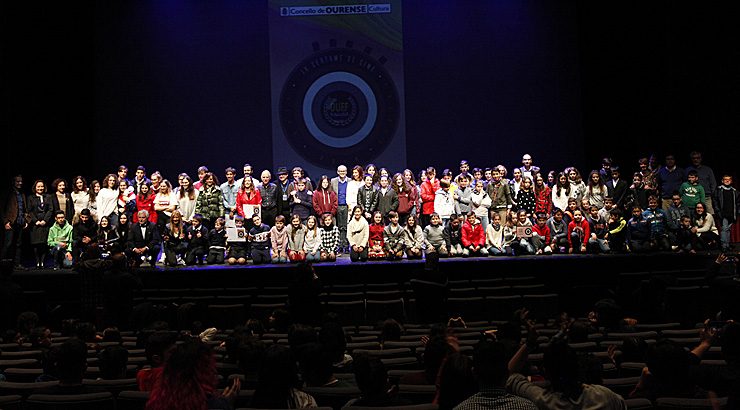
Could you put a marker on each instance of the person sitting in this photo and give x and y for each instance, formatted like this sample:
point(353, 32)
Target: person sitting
point(70, 364)
point(112, 362)
point(143, 240)
point(566, 391)
point(489, 367)
point(278, 382)
point(197, 236)
point(189, 381)
point(376, 390)
point(60, 241)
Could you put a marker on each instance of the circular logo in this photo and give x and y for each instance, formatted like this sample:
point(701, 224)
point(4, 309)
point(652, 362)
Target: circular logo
point(339, 109)
point(339, 106)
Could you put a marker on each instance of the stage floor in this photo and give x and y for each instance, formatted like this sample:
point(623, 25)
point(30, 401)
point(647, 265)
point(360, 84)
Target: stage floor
point(554, 270)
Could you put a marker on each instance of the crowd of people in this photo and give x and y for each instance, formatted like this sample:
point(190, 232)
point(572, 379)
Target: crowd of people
point(181, 366)
point(372, 214)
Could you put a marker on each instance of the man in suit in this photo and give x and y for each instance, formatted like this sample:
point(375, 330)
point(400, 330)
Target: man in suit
point(15, 220)
point(339, 185)
point(617, 187)
point(144, 242)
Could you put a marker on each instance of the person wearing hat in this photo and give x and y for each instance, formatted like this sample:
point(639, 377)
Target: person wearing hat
point(283, 192)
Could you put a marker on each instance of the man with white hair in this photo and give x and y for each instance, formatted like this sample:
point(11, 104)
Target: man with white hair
point(144, 242)
point(339, 184)
point(268, 192)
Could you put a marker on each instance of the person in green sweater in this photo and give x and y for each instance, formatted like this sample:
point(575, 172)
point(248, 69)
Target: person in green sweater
point(692, 192)
point(60, 241)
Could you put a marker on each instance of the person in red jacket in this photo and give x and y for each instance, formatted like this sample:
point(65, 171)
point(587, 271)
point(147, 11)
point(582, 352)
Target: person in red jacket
point(248, 195)
point(324, 198)
point(543, 196)
point(428, 190)
point(145, 201)
point(578, 233)
point(473, 237)
point(541, 235)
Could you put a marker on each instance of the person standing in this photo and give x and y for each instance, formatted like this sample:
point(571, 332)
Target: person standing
point(427, 194)
point(339, 185)
point(39, 207)
point(229, 189)
point(15, 219)
point(269, 193)
point(210, 203)
point(706, 178)
point(283, 192)
point(727, 199)
point(527, 169)
point(670, 178)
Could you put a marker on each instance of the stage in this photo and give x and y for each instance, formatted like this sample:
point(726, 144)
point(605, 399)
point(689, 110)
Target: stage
point(576, 280)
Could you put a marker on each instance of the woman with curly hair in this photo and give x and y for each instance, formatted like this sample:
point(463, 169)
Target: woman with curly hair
point(189, 381)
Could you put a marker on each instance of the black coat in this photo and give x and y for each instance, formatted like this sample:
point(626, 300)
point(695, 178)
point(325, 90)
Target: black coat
point(40, 212)
point(69, 209)
point(135, 240)
point(618, 192)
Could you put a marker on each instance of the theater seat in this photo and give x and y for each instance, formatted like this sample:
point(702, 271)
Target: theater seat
point(380, 310)
point(23, 389)
point(90, 401)
point(132, 400)
point(425, 406)
point(638, 404)
point(351, 312)
point(680, 403)
point(11, 402)
point(333, 397)
point(417, 394)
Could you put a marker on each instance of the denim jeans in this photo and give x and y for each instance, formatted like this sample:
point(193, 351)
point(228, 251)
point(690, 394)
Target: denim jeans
point(60, 257)
point(724, 233)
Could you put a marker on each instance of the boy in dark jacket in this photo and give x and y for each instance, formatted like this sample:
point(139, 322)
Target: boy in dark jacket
point(453, 236)
point(259, 236)
point(217, 242)
point(197, 235)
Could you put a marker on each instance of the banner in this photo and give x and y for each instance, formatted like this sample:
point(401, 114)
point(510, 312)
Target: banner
point(337, 84)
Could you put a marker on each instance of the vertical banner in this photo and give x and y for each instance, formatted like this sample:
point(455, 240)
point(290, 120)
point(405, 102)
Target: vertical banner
point(337, 84)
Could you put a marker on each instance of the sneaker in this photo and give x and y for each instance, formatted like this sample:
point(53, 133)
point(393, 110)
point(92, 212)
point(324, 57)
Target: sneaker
point(180, 261)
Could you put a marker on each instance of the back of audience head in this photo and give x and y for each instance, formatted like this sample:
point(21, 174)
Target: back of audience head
point(278, 375)
point(561, 368)
point(456, 381)
point(189, 377)
point(578, 331)
point(255, 327)
point(157, 346)
point(435, 352)
point(634, 349)
point(300, 334)
point(71, 361)
point(112, 362)
point(668, 363)
point(250, 352)
point(333, 341)
point(490, 363)
point(372, 378)
point(279, 320)
point(390, 331)
point(315, 364)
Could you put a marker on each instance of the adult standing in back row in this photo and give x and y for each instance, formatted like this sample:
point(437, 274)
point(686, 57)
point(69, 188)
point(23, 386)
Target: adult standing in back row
point(339, 185)
point(706, 178)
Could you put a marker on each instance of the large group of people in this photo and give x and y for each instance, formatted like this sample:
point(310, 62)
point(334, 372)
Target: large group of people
point(370, 213)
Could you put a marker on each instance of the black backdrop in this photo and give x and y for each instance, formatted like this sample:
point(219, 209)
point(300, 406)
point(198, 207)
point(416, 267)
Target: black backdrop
point(175, 84)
